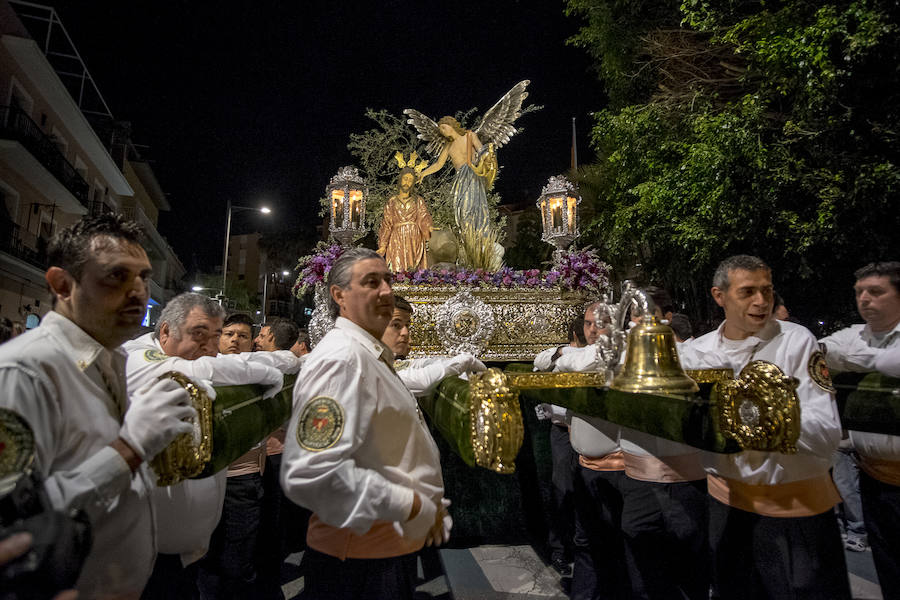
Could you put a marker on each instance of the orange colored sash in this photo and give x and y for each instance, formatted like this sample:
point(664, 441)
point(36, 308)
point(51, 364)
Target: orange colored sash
point(613, 461)
point(885, 471)
point(804, 498)
point(665, 469)
point(381, 541)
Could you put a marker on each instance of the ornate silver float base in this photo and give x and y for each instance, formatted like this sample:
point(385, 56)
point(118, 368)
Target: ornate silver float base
point(495, 323)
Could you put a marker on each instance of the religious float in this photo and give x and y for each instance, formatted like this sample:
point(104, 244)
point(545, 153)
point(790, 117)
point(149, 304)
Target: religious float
point(465, 300)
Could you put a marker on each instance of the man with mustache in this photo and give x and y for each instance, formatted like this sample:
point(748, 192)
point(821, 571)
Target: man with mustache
point(772, 529)
point(93, 438)
point(358, 452)
point(873, 486)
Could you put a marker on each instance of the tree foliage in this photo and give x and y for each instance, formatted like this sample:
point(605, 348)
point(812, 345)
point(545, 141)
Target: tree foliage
point(767, 128)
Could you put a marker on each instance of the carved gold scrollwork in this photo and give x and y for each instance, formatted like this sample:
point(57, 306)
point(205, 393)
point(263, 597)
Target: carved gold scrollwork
point(496, 421)
point(188, 453)
point(760, 410)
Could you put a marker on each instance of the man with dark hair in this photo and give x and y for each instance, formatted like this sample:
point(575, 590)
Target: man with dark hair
point(277, 334)
point(93, 438)
point(421, 375)
point(302, 346)
point(681, 325)
point(186, 339)
point(360, 455)
point(772, 529)
point(237, 334)
point(874, 480)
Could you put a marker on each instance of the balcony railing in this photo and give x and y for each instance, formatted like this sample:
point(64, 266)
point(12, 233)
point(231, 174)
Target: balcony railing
point(16, 125)
point(23, 244)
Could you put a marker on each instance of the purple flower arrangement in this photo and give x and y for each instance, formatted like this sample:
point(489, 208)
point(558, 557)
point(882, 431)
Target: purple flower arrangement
point(576, 270)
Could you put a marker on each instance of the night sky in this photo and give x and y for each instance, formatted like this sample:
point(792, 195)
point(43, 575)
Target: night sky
point(255, 101)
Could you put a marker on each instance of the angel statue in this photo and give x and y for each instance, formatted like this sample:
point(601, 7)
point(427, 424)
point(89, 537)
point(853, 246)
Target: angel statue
point(406, 223)
point(472, 154)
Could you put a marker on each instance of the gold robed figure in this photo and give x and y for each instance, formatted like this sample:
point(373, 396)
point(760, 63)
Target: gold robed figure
point(406, 224)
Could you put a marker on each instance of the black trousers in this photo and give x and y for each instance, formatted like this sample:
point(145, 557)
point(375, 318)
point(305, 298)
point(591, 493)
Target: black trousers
point(565, 468)
point(330, 578)
point(881, 511)
point(229, 568)
point(664, 526)
point(282, 531)
point(755, 557)
point(599, 553)
point(171, 580)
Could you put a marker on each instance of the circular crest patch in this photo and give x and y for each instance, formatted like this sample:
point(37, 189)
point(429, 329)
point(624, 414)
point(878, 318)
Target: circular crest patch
point(818, 371)
point(321, 424)
point(154, 355)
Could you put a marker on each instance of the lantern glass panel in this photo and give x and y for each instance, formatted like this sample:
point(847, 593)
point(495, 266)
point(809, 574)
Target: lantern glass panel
point(355, 207)
point(556, 214)
point(337, 207)
point(572, 203)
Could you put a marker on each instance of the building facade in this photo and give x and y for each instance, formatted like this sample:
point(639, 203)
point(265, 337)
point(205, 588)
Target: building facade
point(55, 168)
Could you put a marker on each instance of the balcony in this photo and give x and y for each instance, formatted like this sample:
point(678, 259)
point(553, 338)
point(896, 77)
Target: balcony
point(23, 245)
point(17, 126)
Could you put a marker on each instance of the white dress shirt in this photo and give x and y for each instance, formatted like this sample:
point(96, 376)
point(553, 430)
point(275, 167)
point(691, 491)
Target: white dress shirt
point(591, 437)
point(789, 346)
point(857, 348)
point(51, 376)
point(384, 453)
point(188, 512)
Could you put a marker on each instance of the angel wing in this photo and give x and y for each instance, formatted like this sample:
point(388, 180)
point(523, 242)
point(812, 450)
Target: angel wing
point(497, 124)
point(428, 131)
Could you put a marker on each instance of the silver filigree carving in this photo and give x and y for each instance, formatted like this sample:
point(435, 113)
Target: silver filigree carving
point(321, 322)
point(464, 324)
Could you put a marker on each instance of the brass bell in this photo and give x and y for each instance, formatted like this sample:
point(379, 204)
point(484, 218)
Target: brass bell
point(651, 363)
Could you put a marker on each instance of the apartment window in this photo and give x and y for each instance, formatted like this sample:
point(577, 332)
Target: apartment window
point(19, 98)
point(60, 141)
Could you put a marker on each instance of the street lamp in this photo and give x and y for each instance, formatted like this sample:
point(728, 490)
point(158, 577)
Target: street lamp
point(263, 209)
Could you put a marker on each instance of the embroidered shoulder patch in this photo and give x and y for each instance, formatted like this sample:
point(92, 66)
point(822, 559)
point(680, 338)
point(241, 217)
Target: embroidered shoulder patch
point(321, 424)
point(154, 355)
point(818, 371)
point(399, 365)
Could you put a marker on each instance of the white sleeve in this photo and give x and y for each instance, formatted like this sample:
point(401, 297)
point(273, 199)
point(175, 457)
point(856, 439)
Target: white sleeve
point(585, 359)
point(94, 484)
point(544, 360)
point(329, 481)
point(224, 369)
point(421, 380)
point(283, 360)
point(845, 351)
point(887, 361)
point(820, 425)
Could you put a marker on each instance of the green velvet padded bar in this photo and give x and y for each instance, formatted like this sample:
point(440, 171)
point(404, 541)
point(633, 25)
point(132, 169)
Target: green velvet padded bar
point(448, 409)
point(869, 403)
point(242, 418)
point(688, 421)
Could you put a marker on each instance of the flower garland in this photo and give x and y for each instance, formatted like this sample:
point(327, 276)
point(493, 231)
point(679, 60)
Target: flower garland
point(575, 270)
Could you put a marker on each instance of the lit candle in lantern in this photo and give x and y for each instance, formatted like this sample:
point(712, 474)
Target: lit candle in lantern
point(556, 214)
point(355, 198)
point(571, 205)
point(337, 208)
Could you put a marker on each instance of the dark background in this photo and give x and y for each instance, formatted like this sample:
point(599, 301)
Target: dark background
point(254, 102)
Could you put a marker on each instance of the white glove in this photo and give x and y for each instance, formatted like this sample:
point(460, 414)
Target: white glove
point(440, 533)
point(463, 363)
point(418, 527)
point(156, 416)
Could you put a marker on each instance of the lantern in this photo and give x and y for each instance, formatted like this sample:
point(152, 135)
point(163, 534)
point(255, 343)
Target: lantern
point(347, 192)
point(559, 213)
